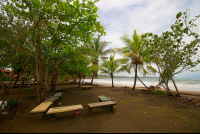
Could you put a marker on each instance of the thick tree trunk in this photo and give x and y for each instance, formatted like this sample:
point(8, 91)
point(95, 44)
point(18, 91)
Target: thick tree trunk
point(135, 77)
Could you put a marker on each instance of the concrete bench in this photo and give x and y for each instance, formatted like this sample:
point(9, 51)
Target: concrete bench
point(42, 108)
point(75, 108)
point(103, 98)
point(58, 94)
point(53, 99)
point(111, 104)
point(86, 87)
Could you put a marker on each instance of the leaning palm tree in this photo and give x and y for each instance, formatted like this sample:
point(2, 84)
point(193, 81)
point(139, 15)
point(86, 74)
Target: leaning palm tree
point(98, 48)
point(132, 50)
point(112, 66)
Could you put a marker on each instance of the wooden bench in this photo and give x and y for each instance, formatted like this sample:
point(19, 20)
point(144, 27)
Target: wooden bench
point(53, 111)
point(42, 108)
point(103, 98)
point(86, 87)
point(102, 104)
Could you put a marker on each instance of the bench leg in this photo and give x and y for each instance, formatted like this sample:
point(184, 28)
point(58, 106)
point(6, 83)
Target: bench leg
point(52, 117)
point(113, 109)
point(76, 113)
point(44, 115)
point(90, 111)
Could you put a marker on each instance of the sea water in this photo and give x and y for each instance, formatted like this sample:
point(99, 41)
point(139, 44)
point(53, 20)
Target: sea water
point(183, 84)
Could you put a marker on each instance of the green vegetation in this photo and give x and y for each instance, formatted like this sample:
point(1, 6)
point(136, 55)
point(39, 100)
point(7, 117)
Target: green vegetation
point(132, 50)
point(47, 40)
point(112, 66)
point(169, 53)
point(28, 89)
point(159, 92)
point(12, 102)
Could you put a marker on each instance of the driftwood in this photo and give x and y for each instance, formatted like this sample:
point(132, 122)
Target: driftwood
point(189, 99)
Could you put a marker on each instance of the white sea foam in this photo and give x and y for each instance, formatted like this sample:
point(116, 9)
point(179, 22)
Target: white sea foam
point(181, 86)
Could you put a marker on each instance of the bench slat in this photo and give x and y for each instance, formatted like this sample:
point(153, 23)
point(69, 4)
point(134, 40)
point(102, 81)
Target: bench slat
point(42, 107)
point(64, 109)
point(99, 104)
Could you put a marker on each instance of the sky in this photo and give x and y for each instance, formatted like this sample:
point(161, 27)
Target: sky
point(123, 16)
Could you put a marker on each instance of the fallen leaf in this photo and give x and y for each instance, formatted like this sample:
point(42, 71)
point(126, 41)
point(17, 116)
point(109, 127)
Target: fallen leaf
point(175, 123)
point(145, 112)
point(38, 129)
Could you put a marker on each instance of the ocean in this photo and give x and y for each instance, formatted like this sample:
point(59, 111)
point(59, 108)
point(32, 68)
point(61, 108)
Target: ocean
point(183, 84)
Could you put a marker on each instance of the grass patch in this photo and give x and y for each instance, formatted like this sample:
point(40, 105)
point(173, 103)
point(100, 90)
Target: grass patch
point(28, 89)
point(185, 119)
point(124, 101)
point(159, 92)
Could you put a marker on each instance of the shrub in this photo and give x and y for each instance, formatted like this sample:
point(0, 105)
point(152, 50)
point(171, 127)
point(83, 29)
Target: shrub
point(12, 102)
point(28, 89)
point(159, 92)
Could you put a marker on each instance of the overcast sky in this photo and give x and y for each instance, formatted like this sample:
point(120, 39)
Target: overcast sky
point(156, 16)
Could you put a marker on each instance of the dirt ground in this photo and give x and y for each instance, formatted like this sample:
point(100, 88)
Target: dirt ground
point(136, 112)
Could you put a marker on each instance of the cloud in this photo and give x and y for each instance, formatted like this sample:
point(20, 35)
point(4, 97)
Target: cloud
point(156, 16)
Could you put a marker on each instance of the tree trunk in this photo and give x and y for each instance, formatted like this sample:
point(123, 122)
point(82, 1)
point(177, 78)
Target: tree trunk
point(177, 93)
point(112, 79)
point(135, 77)
point(92, 78)
point(20, 84)
point(79, 85)
point(27, 78)
point(16, 79)
point(2, 84)
point(142, 83)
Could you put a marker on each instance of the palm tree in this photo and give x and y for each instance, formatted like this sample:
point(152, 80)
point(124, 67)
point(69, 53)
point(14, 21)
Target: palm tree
point(132, 50)
point(98, 50)
point(112, 66)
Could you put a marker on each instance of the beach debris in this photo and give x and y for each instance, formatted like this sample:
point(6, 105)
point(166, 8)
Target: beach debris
point(38, 129)
point(189, 99)
point(125, 87)
point(175, 123)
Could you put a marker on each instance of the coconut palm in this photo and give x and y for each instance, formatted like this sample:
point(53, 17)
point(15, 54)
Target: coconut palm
point(98, 48)
point(112, 66)
point(132, 50)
